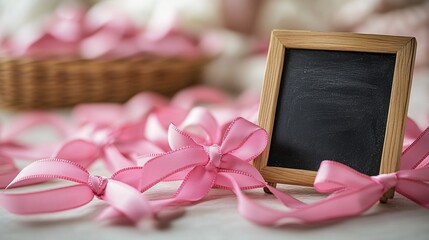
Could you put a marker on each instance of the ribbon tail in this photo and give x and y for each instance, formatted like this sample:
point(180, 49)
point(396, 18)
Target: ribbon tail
point(125, 201)
point(246, 182)
point(417, 153)
point(6, 178)
point(349, 203)
point(246, 175)
point(47, 201)
point(8, 171)
point(414, 190)
point(155, 171)
point(114, 160)
point(165, 165)
point(194, 187)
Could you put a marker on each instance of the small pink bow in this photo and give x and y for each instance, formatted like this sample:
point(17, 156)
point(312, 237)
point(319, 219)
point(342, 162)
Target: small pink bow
point(352, 193)
point(115, 190)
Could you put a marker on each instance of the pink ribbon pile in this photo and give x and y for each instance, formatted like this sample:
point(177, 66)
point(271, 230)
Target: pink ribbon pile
point(149, 140)
point(74, 32)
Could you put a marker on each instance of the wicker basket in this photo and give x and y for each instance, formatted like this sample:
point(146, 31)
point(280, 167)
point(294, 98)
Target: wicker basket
point(28, 84)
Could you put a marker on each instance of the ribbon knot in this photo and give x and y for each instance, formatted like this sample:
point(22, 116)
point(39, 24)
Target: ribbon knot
point(215, 156)
point(97, 184)
point(102, 138)
point(386, 180)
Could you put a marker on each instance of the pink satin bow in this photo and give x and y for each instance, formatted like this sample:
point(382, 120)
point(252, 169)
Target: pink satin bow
point(352, 193)
point(222, 164)
point(116, 193)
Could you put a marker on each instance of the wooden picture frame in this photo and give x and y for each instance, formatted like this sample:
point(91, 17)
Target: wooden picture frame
point(282, 40)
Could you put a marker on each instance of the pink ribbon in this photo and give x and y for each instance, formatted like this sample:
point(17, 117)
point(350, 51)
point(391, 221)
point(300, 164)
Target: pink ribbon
point(72, 32)
point(10, 147)
point(226, 166)
point(116, 193)
point(111, 132)
point(352, 193)
point(116, 133)
point(208, 165)
point(204, 153)
point(416, 143)
point(8, 170)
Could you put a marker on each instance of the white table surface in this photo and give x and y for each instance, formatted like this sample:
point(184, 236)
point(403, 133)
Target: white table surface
point(215, 218)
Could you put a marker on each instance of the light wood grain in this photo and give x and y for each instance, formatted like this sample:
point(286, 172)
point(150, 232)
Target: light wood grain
point(403, 47)
point(270, 93)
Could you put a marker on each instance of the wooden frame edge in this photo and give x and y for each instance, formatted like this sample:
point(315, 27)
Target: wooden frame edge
point(403, 47)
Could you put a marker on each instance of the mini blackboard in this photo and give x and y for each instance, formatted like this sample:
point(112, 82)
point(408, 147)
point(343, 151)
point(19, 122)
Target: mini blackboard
point(334, 96)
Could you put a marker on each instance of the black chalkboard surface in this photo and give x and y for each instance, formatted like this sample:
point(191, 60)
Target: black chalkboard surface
point(332, 105)
point(334, 96)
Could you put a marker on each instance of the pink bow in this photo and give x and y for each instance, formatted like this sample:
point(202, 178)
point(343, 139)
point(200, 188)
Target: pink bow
point(335, 177)
point(115, 190)
point(352, 193)
point(208, 165)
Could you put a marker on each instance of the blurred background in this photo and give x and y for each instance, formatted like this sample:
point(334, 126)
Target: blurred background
point(226, 41)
